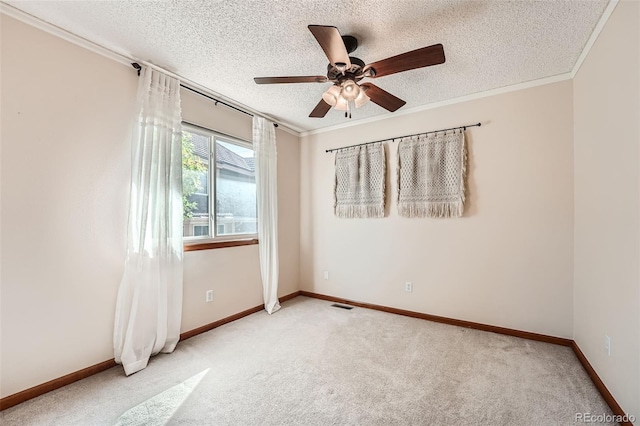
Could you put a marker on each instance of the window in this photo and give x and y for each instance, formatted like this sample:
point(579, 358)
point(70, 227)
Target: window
point(219, 197)
point(199, 230)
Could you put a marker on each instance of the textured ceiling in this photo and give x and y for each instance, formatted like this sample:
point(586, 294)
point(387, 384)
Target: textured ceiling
point(222, 45)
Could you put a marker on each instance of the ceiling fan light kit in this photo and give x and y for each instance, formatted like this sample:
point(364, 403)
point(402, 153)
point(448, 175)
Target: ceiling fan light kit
point(343, 96)
point(346, 71)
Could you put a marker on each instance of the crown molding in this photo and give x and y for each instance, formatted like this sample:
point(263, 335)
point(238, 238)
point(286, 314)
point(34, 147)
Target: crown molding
point(63, 34)
point(126, 59)
point(461, 99)
point(594, 36)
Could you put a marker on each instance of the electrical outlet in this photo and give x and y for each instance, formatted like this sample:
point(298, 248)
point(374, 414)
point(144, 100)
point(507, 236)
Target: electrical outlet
point(607, 344)
point(209, 297)
point(408, 287)
point(326, 275)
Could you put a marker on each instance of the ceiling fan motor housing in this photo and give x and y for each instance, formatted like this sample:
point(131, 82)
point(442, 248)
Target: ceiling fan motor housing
point(350, 43)
point(354, 72)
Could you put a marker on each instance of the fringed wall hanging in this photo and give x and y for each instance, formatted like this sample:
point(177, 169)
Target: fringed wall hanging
point(359, 190)
point(431, 174)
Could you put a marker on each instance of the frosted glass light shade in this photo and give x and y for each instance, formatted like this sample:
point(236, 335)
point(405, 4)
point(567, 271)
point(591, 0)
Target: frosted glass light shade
point(350, 90)
point(342, 104)
point(361, 99)
point(331, 95)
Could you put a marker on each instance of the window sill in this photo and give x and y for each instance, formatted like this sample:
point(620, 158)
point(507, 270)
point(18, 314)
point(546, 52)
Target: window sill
point(219, 244)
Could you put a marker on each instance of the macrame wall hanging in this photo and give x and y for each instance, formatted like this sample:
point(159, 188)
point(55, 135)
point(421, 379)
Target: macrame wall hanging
point(431, 176)
point(360, 182)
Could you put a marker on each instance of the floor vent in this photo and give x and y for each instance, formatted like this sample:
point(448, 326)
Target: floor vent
point(335, 305)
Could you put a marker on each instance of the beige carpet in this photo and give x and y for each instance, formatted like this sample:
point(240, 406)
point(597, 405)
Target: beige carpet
point(313, 364)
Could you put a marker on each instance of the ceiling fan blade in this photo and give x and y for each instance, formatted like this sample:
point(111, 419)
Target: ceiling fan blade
point(419, 58)
point(301, 79)
point(331, 42)
point(383, 98)
point(320, 110)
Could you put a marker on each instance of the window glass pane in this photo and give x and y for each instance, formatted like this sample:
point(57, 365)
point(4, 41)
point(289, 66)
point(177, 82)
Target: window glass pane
point(199, 230)
point(195, 184)
point(235, 189)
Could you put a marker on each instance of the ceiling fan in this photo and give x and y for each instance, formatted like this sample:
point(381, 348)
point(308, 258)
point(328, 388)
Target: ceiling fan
point(345, 72)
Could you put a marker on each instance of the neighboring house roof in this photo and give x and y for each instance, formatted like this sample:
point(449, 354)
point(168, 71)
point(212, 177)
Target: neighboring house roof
point(250, 162)
point(200, 145)
point(223, 155)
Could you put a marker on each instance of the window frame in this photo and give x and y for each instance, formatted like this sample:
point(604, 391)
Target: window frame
point(206, 242)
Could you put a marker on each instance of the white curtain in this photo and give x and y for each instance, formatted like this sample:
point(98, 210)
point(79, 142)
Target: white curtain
point(264, 145)
point(149, 306)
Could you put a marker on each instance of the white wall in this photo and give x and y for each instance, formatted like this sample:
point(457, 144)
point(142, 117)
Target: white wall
point(66, 121)
point(65, 171)
point(607, 205)
point(507, 262)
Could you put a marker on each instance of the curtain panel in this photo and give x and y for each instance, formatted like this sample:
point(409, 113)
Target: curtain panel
point(149, 305)
point(264, 145)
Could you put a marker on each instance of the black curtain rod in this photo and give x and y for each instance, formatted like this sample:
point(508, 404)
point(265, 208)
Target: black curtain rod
point(406, 136)
point(217, 101)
